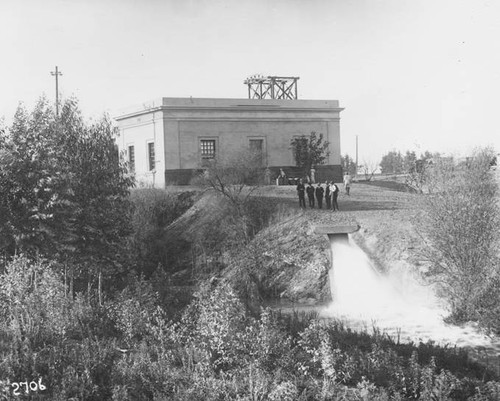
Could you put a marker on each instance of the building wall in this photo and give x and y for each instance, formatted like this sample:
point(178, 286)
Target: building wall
point(234, 136)
point(176, 125)
point(139, 132)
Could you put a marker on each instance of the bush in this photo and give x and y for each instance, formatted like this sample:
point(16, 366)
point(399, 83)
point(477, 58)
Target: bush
point(32, 302)
point(154, 210)
point(127, 350)
point(259, 212)
point(459, 226)
point(49, 335)
point(212, 327)
point(132, 311)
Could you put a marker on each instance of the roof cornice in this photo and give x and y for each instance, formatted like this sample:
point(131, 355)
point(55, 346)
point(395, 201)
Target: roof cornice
point(233, 108)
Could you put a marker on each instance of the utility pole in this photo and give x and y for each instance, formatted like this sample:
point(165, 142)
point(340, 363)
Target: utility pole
point(56, 73)
point(356, 155)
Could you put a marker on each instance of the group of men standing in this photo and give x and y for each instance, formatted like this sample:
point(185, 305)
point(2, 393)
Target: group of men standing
point(316, 195)
point(329, 193)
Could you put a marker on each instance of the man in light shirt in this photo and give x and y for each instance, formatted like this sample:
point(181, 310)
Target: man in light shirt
point(347, 183)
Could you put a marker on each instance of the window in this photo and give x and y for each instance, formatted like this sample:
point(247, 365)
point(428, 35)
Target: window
point(151, 156)
point(257, 147)
point(207, 147)
point(131, 158)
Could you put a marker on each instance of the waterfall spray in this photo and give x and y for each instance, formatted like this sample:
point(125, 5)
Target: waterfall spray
point(364, 298)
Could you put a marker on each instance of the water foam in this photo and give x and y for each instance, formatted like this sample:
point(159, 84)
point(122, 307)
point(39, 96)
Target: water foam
point(363, 298)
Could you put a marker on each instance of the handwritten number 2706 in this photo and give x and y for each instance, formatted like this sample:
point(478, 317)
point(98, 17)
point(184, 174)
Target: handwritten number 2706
point(31, 386)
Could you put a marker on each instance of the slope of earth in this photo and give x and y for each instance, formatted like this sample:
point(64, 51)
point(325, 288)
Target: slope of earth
point(386, 234)
point(288, 261)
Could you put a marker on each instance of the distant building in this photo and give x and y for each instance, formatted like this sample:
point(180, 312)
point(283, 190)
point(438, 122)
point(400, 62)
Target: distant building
point(169, 140)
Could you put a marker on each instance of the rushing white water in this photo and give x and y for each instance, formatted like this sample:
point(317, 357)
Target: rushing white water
point(398, 306)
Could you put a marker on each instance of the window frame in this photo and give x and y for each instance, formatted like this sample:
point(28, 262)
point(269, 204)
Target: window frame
point(131, 157)
point(205, 160)
point(263, 149)
point(213, 149)
point(151, 153)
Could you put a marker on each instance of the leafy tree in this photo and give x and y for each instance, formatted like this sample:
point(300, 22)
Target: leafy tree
point(7, 245)
point(309, 151)
point(417, 170)
point(348, 165)
point(392, 163)
point(429, 155)
point(100, 220)
point(409, 161)
point(64, 188)
point(31, 180)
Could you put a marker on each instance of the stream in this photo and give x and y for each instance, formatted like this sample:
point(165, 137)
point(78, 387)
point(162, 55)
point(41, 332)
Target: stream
point(396, 305)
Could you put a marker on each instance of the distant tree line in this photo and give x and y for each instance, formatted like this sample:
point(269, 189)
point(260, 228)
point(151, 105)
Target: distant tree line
point(395, 162)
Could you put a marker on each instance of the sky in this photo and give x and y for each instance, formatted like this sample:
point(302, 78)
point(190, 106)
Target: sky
point(412, 75)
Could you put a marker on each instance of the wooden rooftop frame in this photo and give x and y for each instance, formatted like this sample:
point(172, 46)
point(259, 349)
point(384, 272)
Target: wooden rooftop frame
point(272, 87)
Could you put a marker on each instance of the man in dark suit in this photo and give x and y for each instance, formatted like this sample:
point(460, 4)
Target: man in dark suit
point(310, 195)
point(301, 191)
point(319, 195)
point(335, 194)
point(328, 199)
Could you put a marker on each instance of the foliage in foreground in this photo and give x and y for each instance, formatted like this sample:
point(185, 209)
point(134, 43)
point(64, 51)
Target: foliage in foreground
point(459, 225)
point(129, 349)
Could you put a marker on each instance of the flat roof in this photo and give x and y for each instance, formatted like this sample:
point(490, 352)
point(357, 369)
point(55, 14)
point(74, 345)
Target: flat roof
point(186, 103)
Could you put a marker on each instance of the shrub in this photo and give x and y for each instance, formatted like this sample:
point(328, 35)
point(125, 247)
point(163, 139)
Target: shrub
point(259, 212)
point(213, 325)
point(154, 210)
point(51, 336)
point(132, 311)
point(32, 302)
point(284, 391)
point(459, 226)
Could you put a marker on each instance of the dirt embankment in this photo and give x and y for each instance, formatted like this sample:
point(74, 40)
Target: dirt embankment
point(288, 261)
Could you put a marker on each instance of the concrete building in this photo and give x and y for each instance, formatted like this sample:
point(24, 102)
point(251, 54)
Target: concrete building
point(168, 140)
